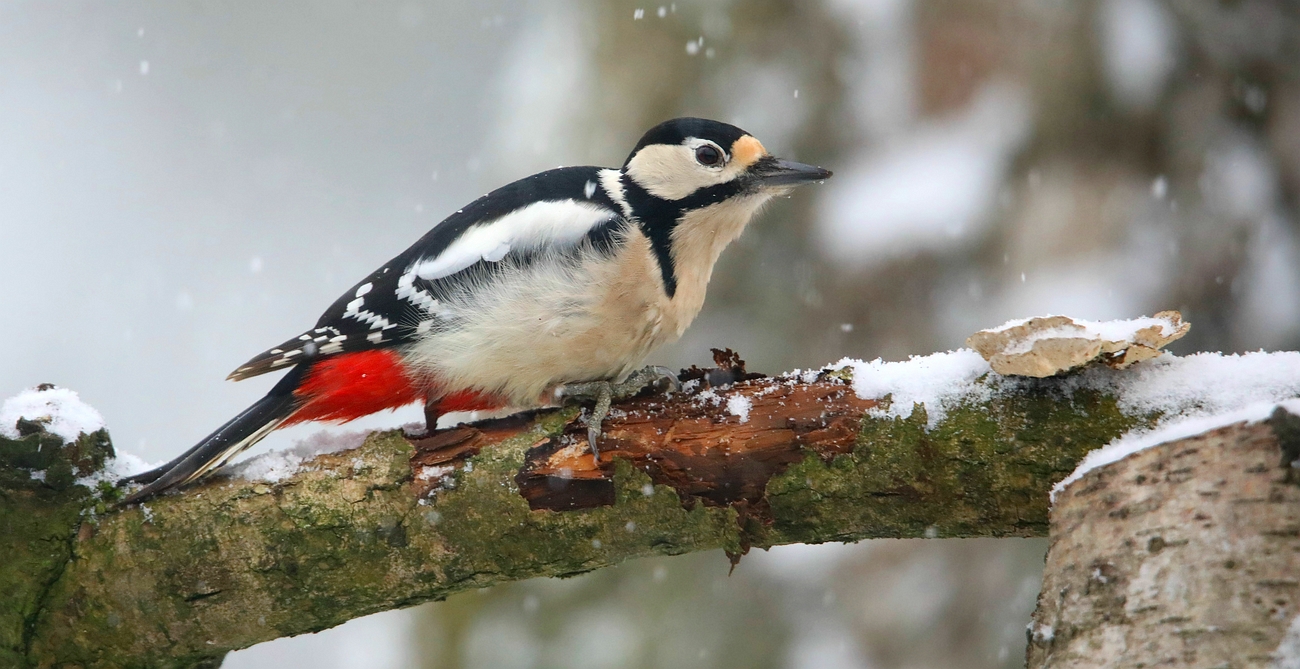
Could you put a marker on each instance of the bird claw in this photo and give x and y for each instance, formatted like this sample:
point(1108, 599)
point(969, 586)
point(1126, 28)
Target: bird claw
point(658, 379)
point(593, 433)
point(605, 393)
point(416, 435)
point(431, 415)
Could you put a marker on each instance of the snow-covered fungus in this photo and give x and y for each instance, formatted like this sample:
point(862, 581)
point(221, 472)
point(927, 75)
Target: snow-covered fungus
point(1041, 347)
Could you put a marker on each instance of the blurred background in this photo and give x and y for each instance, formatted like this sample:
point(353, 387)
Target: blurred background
point(185, 184)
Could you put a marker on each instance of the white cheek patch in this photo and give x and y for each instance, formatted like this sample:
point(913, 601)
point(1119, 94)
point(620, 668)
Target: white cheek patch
point(671, 172)
point(539, 225)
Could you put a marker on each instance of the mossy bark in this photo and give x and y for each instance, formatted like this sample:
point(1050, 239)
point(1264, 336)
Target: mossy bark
point(41, 510)
point(183, 579)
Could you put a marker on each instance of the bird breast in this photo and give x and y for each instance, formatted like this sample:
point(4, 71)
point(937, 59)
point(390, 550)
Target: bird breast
point(581, 317)
point(698, 240)
point(593, 316)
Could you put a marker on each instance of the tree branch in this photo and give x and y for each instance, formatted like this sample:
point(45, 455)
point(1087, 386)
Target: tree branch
point(391, 524)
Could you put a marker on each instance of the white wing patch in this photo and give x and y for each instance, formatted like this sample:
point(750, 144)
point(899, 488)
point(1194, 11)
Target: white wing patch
point(407, 290)
point(538, 225)
point(356, 310)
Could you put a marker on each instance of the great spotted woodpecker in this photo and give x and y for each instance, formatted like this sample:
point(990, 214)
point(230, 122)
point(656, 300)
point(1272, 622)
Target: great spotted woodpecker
point(552, 288)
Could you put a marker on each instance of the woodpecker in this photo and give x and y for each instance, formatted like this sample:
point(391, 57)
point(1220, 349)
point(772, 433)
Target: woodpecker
point(548, 290)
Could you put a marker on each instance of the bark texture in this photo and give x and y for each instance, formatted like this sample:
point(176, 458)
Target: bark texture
point(230, 563)
point(1183, 555)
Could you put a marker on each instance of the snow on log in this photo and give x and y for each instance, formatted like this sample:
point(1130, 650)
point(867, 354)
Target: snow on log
point(48, 408)
point(1182, 554)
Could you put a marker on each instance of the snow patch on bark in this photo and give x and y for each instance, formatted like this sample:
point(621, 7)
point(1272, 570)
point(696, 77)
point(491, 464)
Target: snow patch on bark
point(1201, 384)
point(1193, 394)
point(60, 410)
point(940, 381)
point(1134, 442)
point(1287, 655)
point(277, 466)
point(739, 405)
point(1190, 394)
point(121, 466)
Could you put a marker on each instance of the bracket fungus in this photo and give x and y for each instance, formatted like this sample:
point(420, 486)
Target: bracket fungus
point(1042, 347)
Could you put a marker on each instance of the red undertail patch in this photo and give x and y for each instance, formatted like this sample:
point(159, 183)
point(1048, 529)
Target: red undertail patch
point(348, 386)
point(468, 400)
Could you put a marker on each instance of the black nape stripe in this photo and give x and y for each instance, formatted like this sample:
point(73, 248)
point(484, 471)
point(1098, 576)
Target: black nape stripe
point(659, 217)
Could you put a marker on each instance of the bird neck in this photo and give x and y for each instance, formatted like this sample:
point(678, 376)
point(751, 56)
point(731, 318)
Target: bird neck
point(716, 215)
point(699, 238)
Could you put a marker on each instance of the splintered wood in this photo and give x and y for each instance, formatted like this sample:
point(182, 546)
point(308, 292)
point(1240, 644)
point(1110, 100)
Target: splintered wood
point(694, 441)
point(702, 452)
point(689, 441)
point(445, 450)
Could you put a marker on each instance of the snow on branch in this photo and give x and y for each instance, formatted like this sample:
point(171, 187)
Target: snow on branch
point(938, 445)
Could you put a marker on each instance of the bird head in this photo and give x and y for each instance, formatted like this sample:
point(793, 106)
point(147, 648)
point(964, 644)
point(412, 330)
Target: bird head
point(693, 185)
point(699, 159)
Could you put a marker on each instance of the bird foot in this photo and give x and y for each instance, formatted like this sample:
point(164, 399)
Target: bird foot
point(431, 415)
point(604, 393)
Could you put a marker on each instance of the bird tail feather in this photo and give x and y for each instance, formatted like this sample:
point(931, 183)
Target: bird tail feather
point(232, 438)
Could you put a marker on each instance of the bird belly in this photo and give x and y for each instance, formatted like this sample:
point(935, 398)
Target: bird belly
point(596, 316)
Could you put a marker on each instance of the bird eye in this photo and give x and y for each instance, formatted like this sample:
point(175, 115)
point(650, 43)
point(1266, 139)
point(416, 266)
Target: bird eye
point(708, 155)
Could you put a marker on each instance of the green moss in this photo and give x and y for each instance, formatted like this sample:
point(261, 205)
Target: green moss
point(39, 518)
point(232, 563)
point(487, 525)
point(336, 543)
point(984, 469)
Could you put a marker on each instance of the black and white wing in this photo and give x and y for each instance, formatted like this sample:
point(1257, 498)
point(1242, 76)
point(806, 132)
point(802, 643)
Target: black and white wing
point(554, 210)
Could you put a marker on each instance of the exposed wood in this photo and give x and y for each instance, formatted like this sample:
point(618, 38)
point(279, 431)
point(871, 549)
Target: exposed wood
point(702, 452)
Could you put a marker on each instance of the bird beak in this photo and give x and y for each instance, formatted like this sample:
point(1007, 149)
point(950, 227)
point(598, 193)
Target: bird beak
point(775, 172)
